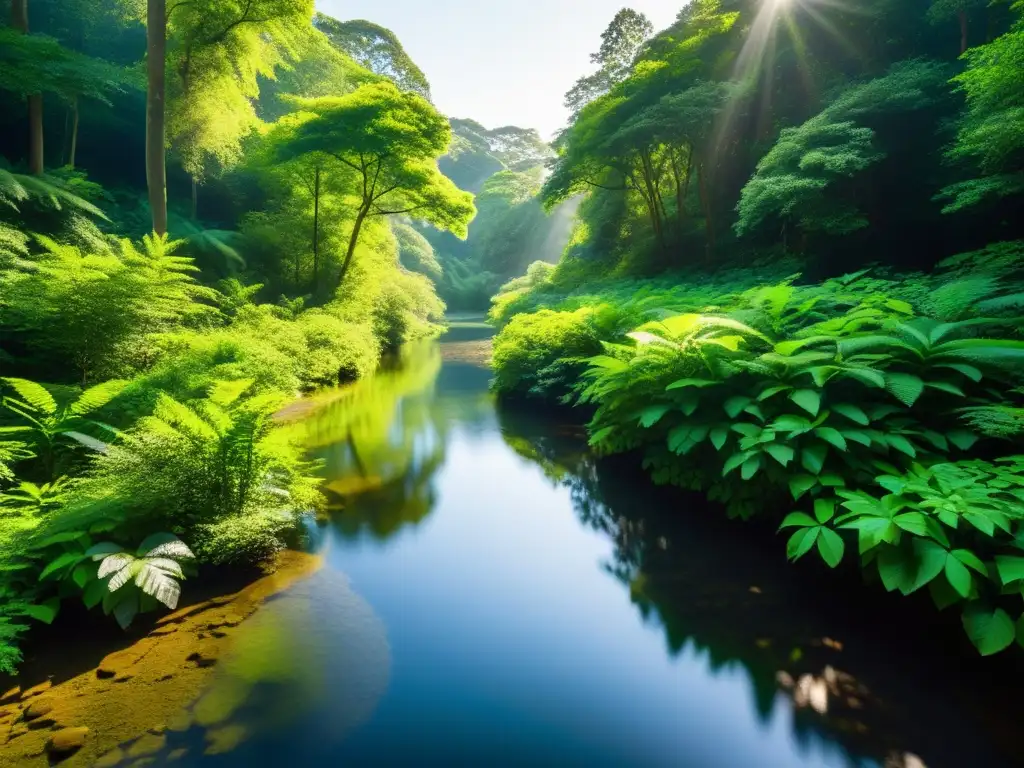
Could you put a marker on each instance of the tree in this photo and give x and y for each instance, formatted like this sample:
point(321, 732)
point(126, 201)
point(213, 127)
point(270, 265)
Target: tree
point(156, 93)
point(35, 64)
point(219, 52)
point(621, 41)
point(377, 49)
point(807, 178)
point(390, 140)
point(990, 139)
point(942, 11)
point(19, 22)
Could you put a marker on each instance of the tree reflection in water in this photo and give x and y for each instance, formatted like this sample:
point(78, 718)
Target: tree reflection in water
point(721, 590)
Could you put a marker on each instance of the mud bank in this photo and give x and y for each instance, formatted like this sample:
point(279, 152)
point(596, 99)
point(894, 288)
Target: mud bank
point(119, 712)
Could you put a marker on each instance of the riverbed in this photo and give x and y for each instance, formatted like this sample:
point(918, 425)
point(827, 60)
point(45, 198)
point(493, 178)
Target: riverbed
point(492, 594)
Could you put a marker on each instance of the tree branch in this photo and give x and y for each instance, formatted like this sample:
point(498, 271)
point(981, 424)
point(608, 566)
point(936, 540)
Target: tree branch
point(404, 210)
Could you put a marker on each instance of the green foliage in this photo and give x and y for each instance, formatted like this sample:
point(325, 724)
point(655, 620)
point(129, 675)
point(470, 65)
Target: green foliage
point(800, 179)
point(990, 137)
point(377, 49)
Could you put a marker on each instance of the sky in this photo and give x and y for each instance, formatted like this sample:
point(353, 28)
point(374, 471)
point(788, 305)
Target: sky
point(501, 62)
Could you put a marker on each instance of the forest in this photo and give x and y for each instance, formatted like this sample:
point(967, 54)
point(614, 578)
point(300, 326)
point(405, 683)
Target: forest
point(795, 281)
point(777, 256)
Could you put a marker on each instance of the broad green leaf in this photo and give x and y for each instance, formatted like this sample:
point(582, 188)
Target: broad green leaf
point(94, 593)
point(789, 423)
point(912, 522)
point(798, 520)
point(958, 576)
point(990, 631)
point(824, 509)
point(734, 461)
point(800, 543)
point(734, 405)
point(652, 414)
point(719, 436)
point(901, 444)
point(813, 457)
point(808, 399)
point(856, 436)
point(833, 436)
point(894, 568)
point(801, 484)
point(930, 561)
point(945, 386)
point(65, 560)
point(906, 387)
point(684, 383)
point(771, 392)
point(830, 546)
point(45, 612)
point(971, 560)
point(852, 412)
point(974, 374)
point(781, 453)
point(1010, 568)
point(962, 439)
point(751, 467)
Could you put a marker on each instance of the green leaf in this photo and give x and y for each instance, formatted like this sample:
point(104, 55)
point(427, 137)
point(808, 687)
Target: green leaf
point(856, 436)
point(808, 399)
point(962, 439)
point(972, 373)
point(798, 520)
point(912, 522)
point(901, 444)
point(781, 453)
point(971, 560)
point(45, 612)
point(958, 576)
point(894, 567)
point(833, 436)
point(801, 484)
point(930, 560)
point(83, 574)
point(94, 593)
point(751, 467)
point(824, 509)
point(771, 392)
point(684, 383)
point(990, 631)
point(830, 546)
point(64, 561)
point(945, 386)
point(813, 457)
point(652, 414)
point(35, 395)
point(734, 405)
point(734, 461)
point(1010, 568)
point(719, 436)
point(906, 387)
point(852, 412)
point(789, 423)
point(800, 543)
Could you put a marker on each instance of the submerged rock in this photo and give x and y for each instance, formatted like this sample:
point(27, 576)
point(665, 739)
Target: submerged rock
point(67, 741)
point(37, 709)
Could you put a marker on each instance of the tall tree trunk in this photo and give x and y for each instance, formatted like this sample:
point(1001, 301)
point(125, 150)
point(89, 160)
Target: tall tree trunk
point(74, 132)
point(652, 196)
point(19, 21)
point(156, 167)
point(316, 231)
point(962, 15)
point(705, 202)
point(363, 212)
point(195, 199)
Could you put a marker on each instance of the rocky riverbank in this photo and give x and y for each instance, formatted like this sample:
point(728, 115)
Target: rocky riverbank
point(121, 711)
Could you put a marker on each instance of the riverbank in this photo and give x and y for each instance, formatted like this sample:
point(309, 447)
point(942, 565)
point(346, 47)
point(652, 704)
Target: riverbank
point(120, 710)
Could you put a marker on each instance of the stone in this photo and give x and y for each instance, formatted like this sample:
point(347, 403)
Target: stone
point(116, 664)
point(148, 744)
point(110, 759)
point(36, 690)
point(11, 695)
point(42, 722)
point(67, 741)
point(204, 658)
point(38, 709)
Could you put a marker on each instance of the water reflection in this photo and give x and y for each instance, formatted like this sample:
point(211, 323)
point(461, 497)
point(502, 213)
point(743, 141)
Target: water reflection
point(725, 593)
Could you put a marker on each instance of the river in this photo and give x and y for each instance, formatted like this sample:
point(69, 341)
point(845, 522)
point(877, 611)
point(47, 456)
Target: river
point(493, 595)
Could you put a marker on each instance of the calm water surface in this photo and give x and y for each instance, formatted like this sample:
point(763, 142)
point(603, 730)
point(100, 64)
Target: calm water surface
point(493, 596)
